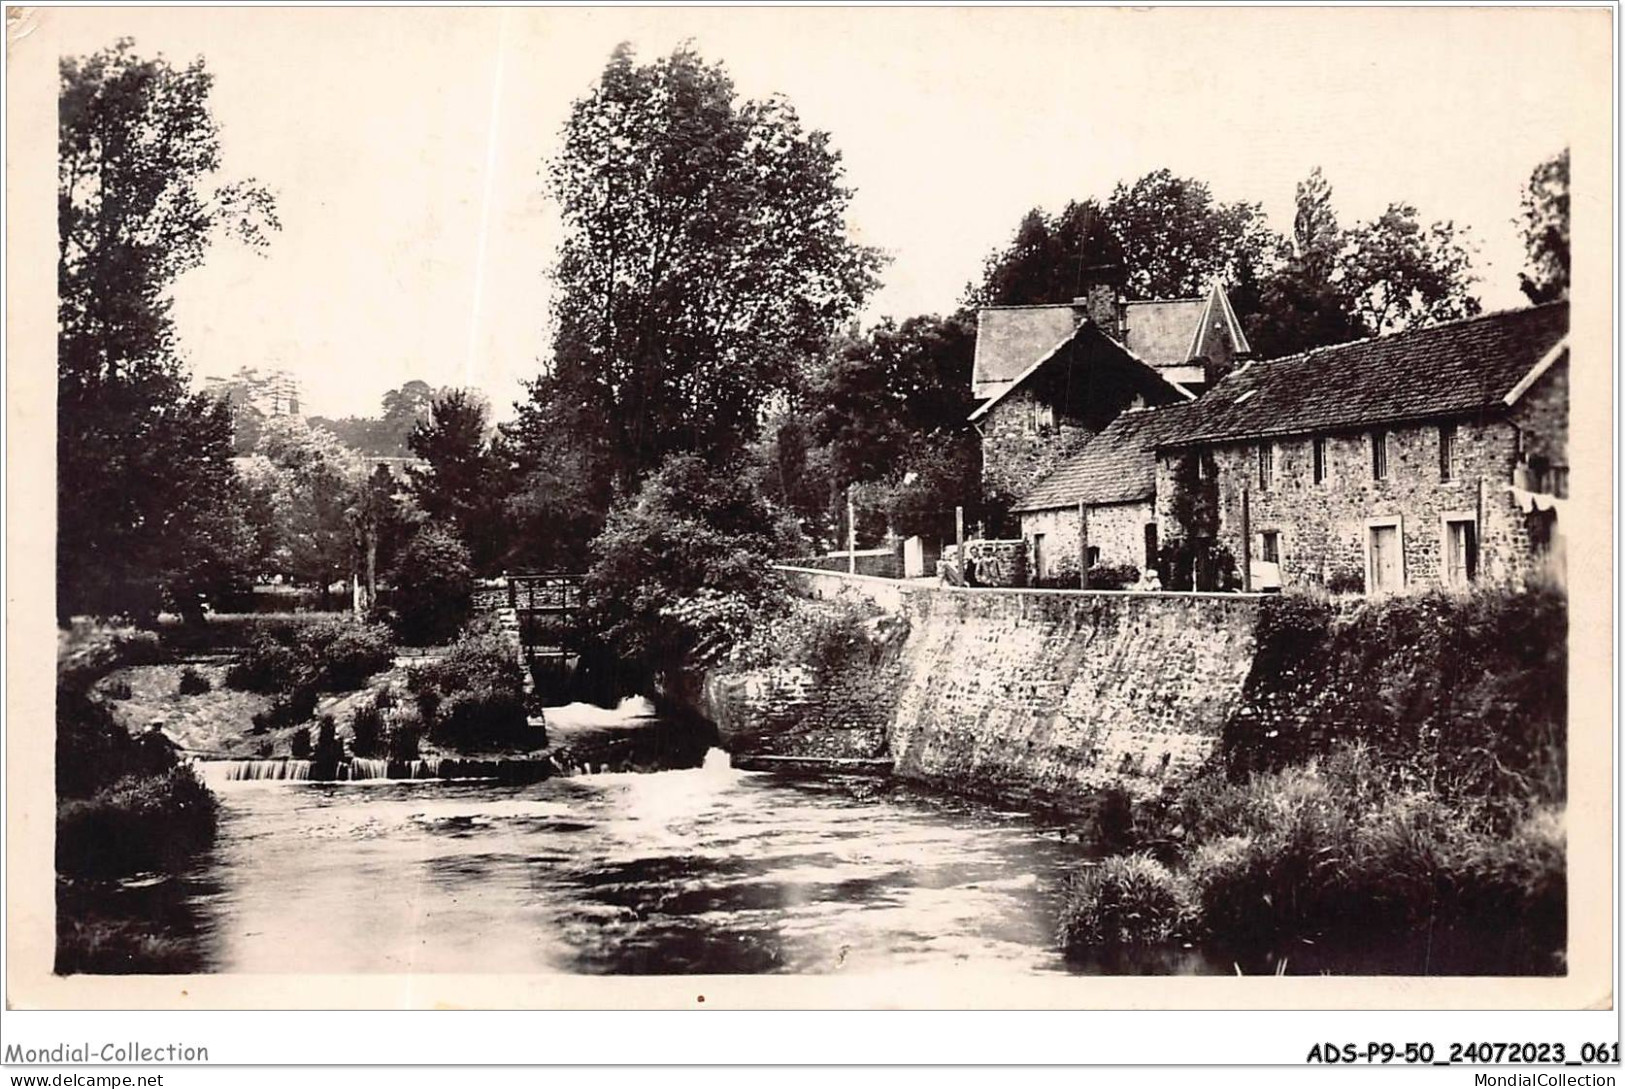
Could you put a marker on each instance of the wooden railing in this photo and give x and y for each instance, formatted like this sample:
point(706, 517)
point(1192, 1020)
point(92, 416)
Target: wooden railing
point(557, 594)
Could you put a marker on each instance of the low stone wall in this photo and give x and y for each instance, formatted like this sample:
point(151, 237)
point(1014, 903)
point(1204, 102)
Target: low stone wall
point(1036, 696)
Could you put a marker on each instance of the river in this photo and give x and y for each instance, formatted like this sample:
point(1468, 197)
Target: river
point(702, 870)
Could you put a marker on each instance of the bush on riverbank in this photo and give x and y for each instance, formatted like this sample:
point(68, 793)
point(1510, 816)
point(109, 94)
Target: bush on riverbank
point(1126, 899)
point(125, 805)
point(1395, 773)
point(434, 587)
point(139, 822)
point(473, 697)
point(1462, 694)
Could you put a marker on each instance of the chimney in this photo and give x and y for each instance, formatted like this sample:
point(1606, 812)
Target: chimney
point(1100, 300)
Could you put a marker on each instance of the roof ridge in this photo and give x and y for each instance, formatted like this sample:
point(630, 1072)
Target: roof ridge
point(1454, 323)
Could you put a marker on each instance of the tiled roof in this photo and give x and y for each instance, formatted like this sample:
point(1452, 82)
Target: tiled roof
point(1161, 332)
point(1009, 339)
point(1116, 466)
point(1458, 368)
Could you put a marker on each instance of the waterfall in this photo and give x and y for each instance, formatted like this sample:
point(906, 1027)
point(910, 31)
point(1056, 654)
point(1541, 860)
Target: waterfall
point(362, 767)
point(230, 771)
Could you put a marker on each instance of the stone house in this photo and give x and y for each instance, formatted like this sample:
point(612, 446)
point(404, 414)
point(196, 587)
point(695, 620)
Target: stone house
point(1051, 377)
point(1103, 494)
point(1434, 457)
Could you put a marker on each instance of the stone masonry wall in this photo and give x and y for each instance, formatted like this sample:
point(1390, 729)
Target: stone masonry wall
point(1048, 697)
point(1116, 529)
point(1016, 453)
point(1040, 697)
point(1323, 526)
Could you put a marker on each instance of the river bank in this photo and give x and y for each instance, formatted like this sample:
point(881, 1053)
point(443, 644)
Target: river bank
point(1260, 775)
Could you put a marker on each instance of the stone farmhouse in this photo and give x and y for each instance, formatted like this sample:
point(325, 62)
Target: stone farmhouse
point(1051, 377)
point(1434, 457)
point(1099, 506)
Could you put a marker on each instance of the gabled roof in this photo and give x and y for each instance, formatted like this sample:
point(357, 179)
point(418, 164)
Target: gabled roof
point(1217, 315)
point(1119, 465)
point(1085, 328)
point(1455, 369)
point(1159, 331)
point(1010, 338)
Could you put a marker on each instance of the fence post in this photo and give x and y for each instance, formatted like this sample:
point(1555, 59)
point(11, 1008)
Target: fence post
point(959, 542)
point(1083, 546)
point(851, 535)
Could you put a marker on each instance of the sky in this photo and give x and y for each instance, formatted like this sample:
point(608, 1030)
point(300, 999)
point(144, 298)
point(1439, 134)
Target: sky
point(405, 146)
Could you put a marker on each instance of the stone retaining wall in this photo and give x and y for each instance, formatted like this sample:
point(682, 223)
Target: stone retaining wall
point(1035, 696)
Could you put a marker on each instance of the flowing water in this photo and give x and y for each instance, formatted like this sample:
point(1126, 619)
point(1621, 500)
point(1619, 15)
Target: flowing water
point(701, 870)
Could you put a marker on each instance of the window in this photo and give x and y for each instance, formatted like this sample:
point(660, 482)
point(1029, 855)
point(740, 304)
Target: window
point(1447, 452)
point(1269, 546)
point(1460, 550)
point(1043, 417)
point(1266, 465)
point(1151, 544)
point(1379, 455)
point(1038, 555)
point(1094, 556)
point(1318, 450)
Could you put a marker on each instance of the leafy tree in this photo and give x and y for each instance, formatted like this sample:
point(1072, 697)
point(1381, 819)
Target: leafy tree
point(311, 485)
point(562, 486)
point(1166, 234)
point(705, 255)
point(1045, 260)
point(1544, 223)
point(434, 583)
point(464, 485)
point(1337, 284)
point(689, 550)
point(1175, 239)
point(889, 410)
point(1399, 273)
point(385, 519)
point(143, 464)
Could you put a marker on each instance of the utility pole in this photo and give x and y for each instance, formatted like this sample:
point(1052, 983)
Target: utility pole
point(1246, 543)
point(851, 536)
point(1083, 546)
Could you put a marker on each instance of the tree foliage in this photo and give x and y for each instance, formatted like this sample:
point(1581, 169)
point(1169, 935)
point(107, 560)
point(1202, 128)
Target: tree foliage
point(1544, 224)
point(690, 546)
point(307, 490)
point(464, 484)
point(145, 486)
point(705, 256)
point(1166, 234)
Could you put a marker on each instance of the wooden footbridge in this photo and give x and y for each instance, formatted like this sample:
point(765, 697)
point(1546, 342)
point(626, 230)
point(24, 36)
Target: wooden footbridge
point(541, 613)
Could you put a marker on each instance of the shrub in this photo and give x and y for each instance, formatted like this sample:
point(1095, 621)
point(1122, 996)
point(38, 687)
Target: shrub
point(348, 652)
point(475, 694)
point(367, 730)
point(1126, 899)
point(300, 743)
point(139, 822)
point(405, 738)
point(330, 655)
point(287, 710)
point(327, 749)
point(270, 664)
point(691, 533)
point(434, 585)
point(193, 683)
